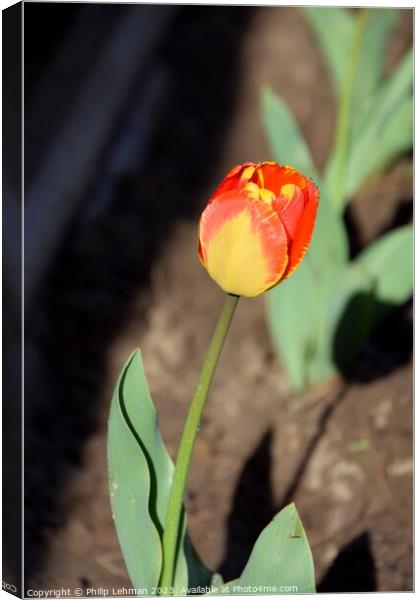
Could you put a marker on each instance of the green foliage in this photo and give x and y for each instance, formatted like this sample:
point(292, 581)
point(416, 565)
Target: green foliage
point(334, 28)
point(140, 477)
point(288, 145)
point(381, 113)
point(319, 319)
point(385, 128)
point(388, 262)
point(280, 562)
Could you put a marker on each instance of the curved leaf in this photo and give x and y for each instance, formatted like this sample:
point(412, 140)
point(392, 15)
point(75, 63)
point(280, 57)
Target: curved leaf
point(130, 489)
point(141, 473)
point(389, 263)
point(281, 559)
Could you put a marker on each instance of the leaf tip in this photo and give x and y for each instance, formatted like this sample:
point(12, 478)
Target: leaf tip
point(266, 93)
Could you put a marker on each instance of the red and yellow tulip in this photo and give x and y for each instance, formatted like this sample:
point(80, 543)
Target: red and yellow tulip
point(257, 226)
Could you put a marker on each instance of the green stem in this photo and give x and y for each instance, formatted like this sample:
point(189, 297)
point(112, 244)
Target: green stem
point(344, 111)
point(174, 514)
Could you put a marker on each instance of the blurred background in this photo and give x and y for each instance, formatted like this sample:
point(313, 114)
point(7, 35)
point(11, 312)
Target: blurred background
point(132, 116)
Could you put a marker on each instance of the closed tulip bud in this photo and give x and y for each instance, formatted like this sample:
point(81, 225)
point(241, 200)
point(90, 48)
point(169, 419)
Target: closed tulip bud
point(257, 227)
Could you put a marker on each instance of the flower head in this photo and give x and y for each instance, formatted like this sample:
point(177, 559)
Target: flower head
point(257, 226)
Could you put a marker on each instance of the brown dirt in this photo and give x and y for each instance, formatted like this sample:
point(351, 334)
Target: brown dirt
point(343, 453)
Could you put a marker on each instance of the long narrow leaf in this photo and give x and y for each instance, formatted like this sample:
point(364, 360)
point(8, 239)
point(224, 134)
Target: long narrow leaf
point(141, 472)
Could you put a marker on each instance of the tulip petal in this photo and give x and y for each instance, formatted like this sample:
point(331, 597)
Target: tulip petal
point(234, 179)
point(243, 244)
point(268, 175)
point(289, 206)
point(273, 177)
point(303, 233)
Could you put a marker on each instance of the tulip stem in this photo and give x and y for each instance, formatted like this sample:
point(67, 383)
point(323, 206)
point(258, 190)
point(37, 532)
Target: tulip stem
point(172, 528)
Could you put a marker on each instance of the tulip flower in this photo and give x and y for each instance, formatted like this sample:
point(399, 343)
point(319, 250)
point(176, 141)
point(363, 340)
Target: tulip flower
point(253, 233)
point(257, 227)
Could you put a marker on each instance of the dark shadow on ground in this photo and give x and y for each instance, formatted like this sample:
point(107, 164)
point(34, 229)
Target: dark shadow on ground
point(253, 508)
point(253, 505)
point(364, 351)
point(353, 570)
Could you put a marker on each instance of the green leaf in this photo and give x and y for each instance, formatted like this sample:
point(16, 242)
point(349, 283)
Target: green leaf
point(130, 489)
point(280, 561)
point(287, 142)
point(334, 28)
point(389, 263)
point(396, 136)
point(385, 128)
point(140, 475)
point(294, 323)
point(298, 326)
point(380, 279)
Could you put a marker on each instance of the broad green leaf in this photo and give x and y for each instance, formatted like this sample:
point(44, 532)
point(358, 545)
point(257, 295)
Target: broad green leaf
point(329, 245)
point(287, 142)
point(380, 279)
point(334, 28)
point(295, 327)
point(141, 472)
point(385, 130)
point(389, 263)
point(294, 323)
point(396, 136)
point(281, 559)
point(130, 489)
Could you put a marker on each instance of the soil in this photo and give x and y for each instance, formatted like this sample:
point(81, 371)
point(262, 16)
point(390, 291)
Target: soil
point(342, 452)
